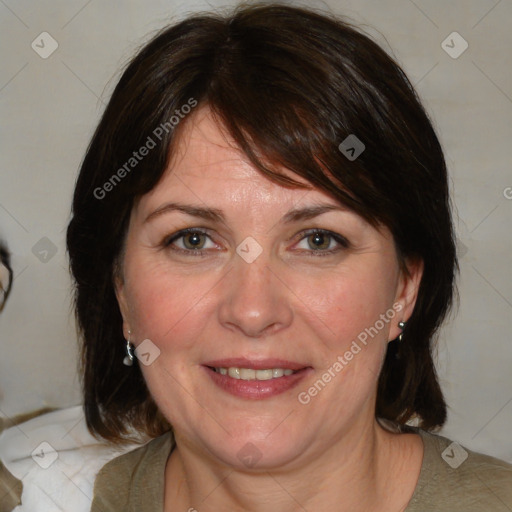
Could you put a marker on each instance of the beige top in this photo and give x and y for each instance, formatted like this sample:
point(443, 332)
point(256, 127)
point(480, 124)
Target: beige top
point(448, 481)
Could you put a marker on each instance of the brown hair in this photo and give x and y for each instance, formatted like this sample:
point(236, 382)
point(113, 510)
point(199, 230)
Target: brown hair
point(5, 287)
point(290, 84)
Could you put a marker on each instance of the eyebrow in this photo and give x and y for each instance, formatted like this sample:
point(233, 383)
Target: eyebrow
point(216, 215)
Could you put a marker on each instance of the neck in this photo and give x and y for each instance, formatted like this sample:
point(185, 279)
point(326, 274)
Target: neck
point(358, 472)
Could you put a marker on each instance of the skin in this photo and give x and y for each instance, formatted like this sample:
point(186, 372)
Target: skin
point(290, 303)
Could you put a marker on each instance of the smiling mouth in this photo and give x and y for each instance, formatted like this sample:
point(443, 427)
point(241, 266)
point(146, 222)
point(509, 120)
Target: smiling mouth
point(252, 374)
point(256, 380)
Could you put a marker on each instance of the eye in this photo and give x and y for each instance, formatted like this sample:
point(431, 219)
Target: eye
point(189, 241)
point(322, 242)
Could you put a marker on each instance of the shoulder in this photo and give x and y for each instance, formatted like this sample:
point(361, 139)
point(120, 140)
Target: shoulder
point(10, 490)
point(10, 487)
point(134, 477)
point(455, 478)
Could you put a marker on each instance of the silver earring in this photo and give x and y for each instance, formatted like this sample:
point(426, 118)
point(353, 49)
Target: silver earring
point(128, 359)
point(401, 325)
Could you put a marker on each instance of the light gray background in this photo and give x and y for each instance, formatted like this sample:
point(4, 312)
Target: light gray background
point(50, 107)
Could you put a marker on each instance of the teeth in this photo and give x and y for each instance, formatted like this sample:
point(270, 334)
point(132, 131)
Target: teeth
point(263, 374)
point(250, 374)
point(234, 372)
point(247, 374)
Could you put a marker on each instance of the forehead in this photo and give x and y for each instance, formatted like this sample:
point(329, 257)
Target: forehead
point(206, 165)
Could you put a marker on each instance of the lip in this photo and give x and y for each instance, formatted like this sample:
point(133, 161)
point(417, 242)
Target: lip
point(255, 364)
point(256, 389)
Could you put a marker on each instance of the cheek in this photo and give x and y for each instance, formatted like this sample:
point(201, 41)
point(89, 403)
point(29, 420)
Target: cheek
point(347, 306)
point(166, 307)
point(351, 321)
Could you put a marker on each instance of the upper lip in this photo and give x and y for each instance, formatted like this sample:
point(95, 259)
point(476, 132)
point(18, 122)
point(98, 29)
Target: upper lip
point(255, 364)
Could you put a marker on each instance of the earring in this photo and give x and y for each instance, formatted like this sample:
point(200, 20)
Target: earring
point(128, 359)
point(401, 325)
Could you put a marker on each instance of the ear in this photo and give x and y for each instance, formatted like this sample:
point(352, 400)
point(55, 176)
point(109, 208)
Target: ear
point(406, 294)
point(120, 290)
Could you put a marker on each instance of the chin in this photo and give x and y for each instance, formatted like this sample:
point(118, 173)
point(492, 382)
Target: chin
point(255, 456)
point(250, 449)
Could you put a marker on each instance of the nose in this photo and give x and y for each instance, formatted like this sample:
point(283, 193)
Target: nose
point(255, 300)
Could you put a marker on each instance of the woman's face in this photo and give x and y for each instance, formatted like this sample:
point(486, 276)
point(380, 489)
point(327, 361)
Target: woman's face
point(266, 278)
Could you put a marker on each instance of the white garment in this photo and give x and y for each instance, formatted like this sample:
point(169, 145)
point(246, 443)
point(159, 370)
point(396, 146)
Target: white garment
point(57, 459)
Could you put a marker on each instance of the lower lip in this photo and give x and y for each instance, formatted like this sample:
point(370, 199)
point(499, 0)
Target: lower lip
point(257, 389)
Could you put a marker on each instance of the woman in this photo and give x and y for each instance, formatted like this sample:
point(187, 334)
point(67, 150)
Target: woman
point(263, 253)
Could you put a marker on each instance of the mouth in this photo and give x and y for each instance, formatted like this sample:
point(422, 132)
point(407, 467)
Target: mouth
point(256, 379)
point(251, 374)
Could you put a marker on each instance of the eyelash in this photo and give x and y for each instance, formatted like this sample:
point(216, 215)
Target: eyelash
point(343, 243)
